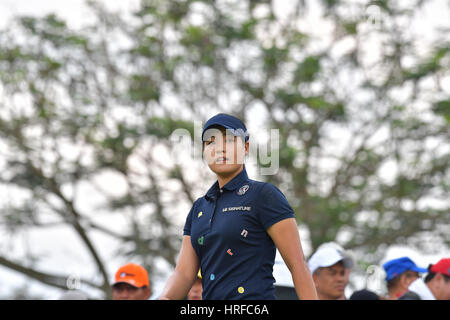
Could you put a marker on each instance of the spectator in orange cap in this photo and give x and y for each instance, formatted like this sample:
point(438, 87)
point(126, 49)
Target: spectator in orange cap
point(131, 283)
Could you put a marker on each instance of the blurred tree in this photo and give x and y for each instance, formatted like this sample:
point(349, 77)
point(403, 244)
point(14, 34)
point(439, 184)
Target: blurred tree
point(362, 111)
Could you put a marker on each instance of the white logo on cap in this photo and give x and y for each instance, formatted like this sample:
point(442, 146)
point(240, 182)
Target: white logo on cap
point(124, 274)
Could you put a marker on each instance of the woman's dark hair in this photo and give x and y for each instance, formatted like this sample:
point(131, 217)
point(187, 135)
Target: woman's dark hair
point(394, 281)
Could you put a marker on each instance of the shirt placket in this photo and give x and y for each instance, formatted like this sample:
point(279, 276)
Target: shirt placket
point(216, 200)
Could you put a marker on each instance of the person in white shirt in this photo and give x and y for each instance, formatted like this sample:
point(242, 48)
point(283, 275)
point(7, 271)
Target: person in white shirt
point(436, 285)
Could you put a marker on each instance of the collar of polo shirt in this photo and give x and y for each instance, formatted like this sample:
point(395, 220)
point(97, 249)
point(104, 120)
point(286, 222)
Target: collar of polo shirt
point(235, 183)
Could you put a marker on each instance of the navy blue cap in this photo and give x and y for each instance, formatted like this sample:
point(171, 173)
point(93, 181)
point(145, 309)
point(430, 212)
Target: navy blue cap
point(232, 124)
point(396, 267)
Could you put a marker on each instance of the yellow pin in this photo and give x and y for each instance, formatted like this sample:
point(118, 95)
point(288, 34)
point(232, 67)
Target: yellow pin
point(200, 214)
point(241, 289)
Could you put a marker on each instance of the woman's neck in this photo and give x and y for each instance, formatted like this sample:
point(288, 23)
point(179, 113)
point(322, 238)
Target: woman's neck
point(224, 179)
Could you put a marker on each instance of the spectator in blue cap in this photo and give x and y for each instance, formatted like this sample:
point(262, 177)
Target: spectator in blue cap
point(400, 273)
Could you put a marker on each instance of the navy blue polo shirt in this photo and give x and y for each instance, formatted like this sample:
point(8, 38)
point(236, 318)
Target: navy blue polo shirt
point(228, 232)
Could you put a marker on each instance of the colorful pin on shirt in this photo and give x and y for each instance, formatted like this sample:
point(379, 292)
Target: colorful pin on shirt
point(200, 240)
point(229, 252)
point(212, 276)
point(200, 214)
point(241, 290)
point(244, 233)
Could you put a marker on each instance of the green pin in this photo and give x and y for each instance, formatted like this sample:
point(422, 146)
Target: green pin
point(200, 240)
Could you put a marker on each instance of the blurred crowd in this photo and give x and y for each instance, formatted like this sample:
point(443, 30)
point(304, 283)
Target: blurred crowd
point(331, 268)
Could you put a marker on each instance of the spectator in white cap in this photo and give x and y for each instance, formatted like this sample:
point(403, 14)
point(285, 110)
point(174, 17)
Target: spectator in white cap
point(330, 269)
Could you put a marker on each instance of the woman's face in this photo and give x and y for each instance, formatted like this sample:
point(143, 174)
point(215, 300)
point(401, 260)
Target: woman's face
point(224, 152)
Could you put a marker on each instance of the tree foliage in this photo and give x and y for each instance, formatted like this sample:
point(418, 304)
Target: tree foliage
point(362, 112)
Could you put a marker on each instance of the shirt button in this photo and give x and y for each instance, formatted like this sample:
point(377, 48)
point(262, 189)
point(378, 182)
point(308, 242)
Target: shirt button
point(221, 190)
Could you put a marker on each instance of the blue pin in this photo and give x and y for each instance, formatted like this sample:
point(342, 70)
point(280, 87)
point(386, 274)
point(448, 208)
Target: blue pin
point(212, 276)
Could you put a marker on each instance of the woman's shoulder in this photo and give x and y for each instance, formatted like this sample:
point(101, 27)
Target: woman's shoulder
point(197, 202)
point(264, 187)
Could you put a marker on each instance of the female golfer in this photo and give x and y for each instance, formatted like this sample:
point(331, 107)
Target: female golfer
point(231, 232)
